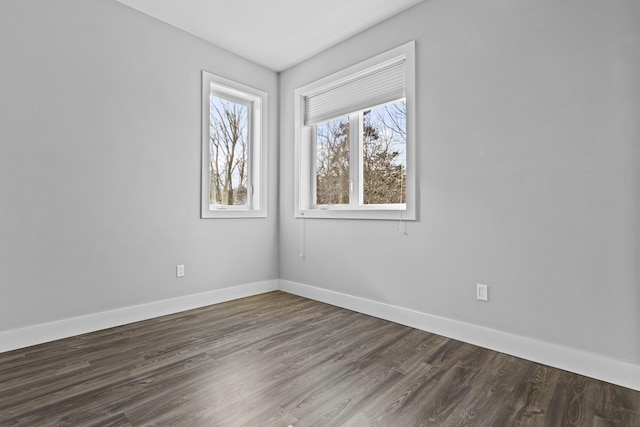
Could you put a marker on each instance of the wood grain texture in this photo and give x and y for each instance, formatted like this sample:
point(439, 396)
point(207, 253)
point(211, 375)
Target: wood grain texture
point(277, 360)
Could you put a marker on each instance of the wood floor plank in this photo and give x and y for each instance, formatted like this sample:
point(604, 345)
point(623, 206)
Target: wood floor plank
point(389, 400)
point(433, 405)
point(277, 360)
point(534, 395)
point(482, 407)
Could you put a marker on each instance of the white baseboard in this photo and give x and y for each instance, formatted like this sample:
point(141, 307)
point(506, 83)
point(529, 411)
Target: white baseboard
point(566, 358)
point(570, 359)
point(38, 334)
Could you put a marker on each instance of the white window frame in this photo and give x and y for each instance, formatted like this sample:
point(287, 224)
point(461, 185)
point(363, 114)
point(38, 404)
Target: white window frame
point(256, 101)
point(304, 185)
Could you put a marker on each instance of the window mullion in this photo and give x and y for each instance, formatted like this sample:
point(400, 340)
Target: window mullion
point(355, 138)
point(249, 154)
point(313, 167)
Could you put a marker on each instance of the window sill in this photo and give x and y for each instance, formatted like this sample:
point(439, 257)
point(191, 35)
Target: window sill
point(386, 214)
point(234, 213)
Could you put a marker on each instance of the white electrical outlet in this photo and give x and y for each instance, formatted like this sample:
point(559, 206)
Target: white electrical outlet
point(482, 292)
point(179, 270)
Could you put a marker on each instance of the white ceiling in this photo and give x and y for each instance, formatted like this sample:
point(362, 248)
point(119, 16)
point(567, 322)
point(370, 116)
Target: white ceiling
point(274, 33)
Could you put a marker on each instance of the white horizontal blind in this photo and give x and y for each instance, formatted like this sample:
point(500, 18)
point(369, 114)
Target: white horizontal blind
point(373, 86)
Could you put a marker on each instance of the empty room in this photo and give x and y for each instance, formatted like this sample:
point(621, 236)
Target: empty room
point(319, 213)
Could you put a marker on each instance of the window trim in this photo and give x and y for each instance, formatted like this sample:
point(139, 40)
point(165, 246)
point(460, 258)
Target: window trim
point(304, 183)
point(256, 99)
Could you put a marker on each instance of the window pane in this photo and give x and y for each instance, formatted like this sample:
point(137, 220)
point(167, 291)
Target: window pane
point(332, 162)
point(228, 152)
point(384, 157)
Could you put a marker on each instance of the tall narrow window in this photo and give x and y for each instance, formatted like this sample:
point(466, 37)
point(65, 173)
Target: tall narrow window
point(233, 163)
point(355, 152)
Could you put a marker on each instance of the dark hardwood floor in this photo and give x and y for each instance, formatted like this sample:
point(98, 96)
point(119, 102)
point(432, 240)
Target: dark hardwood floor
point(279, 360)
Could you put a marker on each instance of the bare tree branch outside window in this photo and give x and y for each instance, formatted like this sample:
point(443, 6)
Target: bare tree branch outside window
point(384, 154)
point(228, 148)
point(332, 162)
point(384, 161)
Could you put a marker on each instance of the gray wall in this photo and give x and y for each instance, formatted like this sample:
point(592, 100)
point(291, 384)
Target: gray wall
point(100, 164)
point(528, 137)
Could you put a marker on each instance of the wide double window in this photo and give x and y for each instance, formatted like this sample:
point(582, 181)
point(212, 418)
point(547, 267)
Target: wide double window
point(354, 141)
point(233, 160)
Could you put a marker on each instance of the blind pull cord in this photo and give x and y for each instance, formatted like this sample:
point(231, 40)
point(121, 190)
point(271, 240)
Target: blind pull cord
point(301, 235)
point(402, 225)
